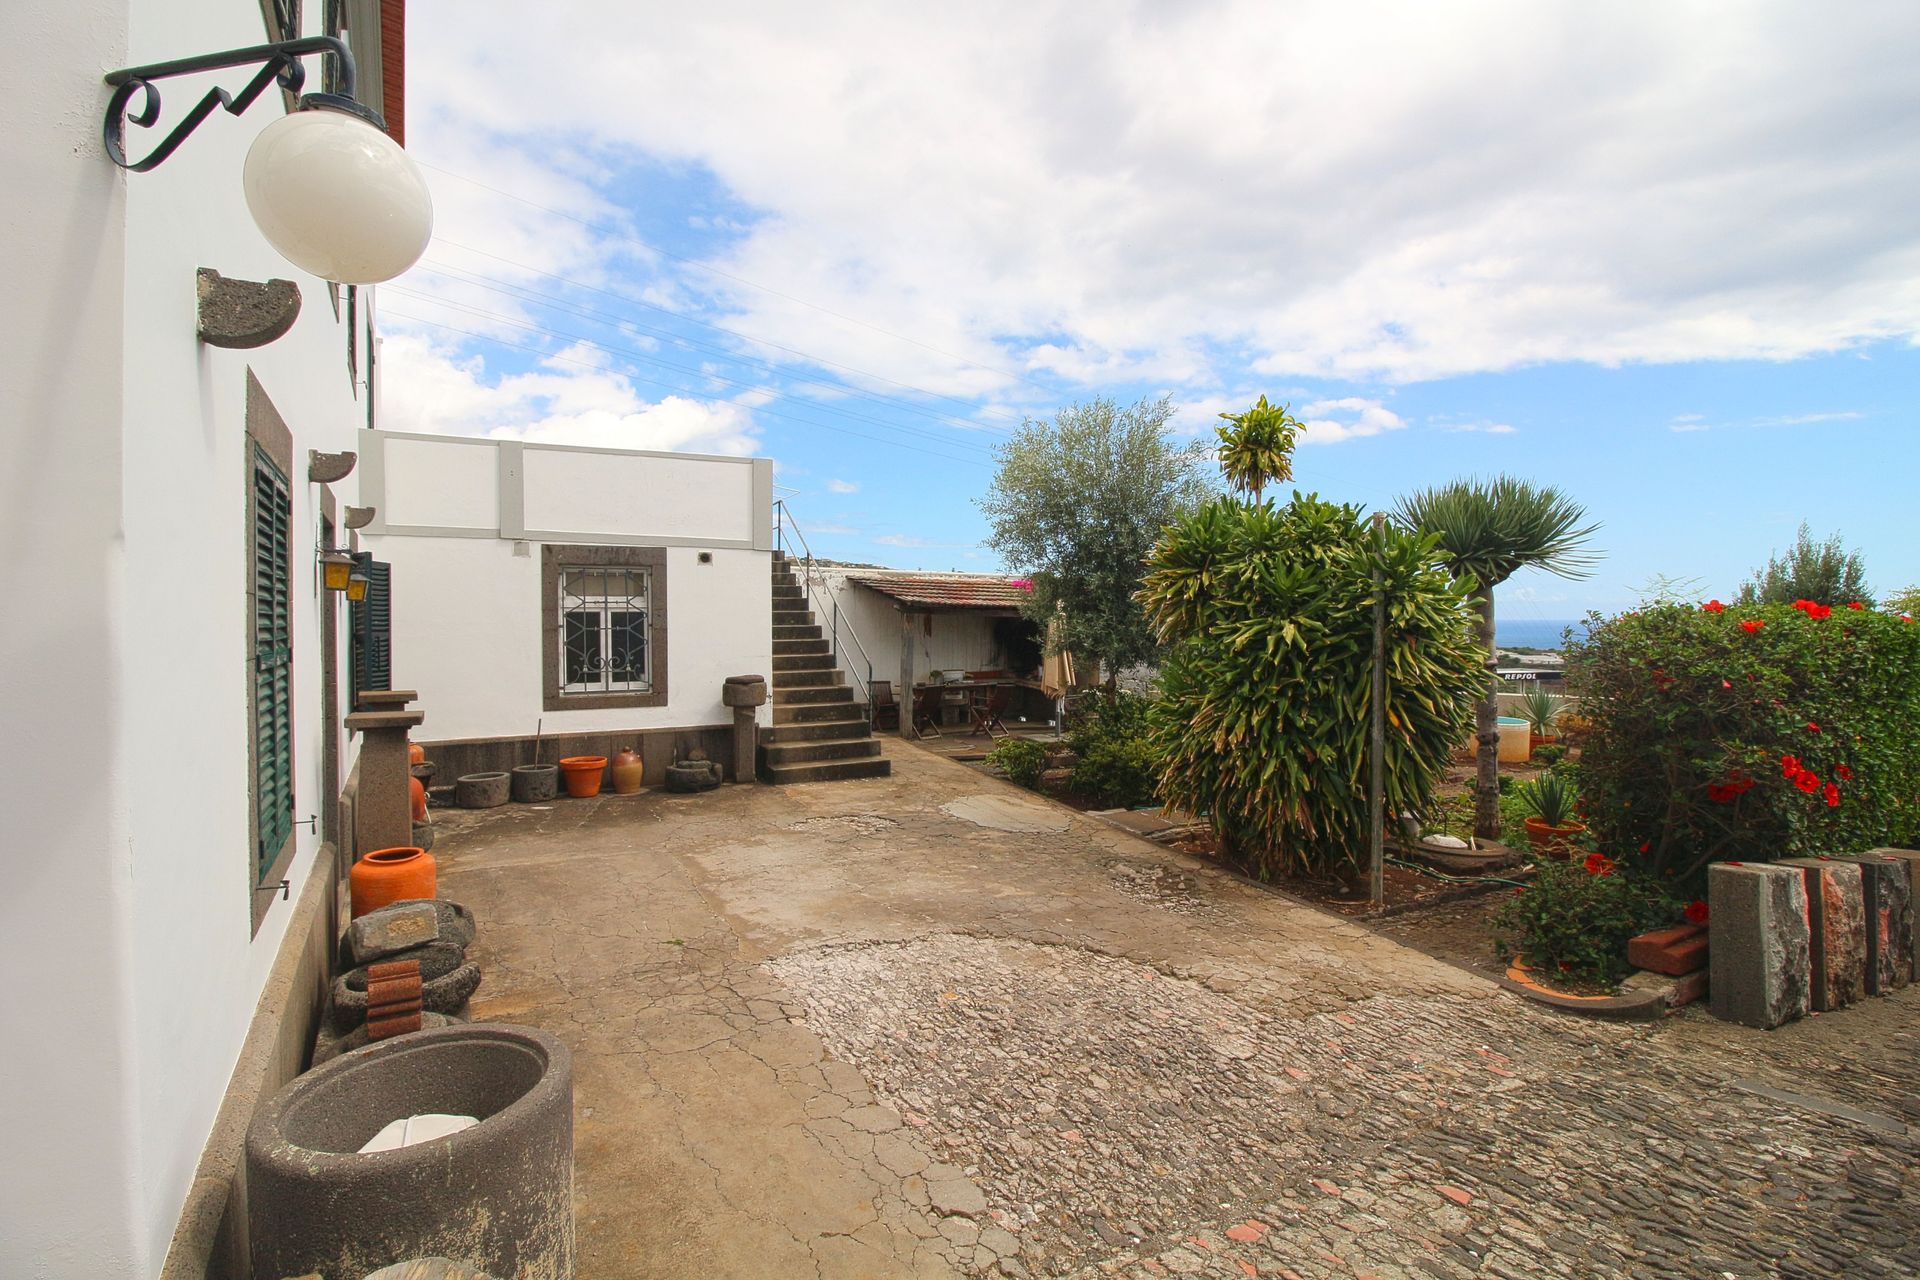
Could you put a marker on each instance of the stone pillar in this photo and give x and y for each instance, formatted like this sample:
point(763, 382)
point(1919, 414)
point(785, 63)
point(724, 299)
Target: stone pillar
point(1912, 858)
point(383, 805)
point(744, 694)
point(1837, 931)
point(1889, 896)
point(1758, 952)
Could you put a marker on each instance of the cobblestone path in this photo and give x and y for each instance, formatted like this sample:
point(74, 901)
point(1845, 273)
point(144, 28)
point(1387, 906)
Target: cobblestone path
point(1122, 1121)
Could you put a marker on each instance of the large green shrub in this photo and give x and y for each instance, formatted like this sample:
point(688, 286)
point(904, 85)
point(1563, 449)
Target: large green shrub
point(1114, 765)
point(1574, 920)
point(1021, 760)
point(1263, 717)
point(1748, 733)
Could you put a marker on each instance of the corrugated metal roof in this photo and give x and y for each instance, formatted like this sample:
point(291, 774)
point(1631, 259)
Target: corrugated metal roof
point(946, 590)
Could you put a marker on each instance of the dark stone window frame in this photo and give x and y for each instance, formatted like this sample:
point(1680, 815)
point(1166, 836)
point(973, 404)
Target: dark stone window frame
point(556, 559)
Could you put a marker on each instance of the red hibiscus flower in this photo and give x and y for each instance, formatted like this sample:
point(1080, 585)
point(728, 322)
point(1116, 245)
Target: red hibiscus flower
point(1598, 864)
point(1645, 845)
point(1697, 911)
point(1855, 604)
point(1812, 727)
point(1843, 773)
point(1713, 606)
point(1752, 625)
point(1789, 766)
point(1833, 796)
point(1808, 781)
point(1721, 793)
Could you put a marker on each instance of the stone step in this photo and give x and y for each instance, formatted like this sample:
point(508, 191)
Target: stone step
point(819, 660)
point(815, 730)
point(827, 771)
point(797, 631)
point(808, 679)
point(785, 580)
point(817, 712)
point(800, 649)
point(794, 618)
point(780, 753)
point(826, 693)
point(788, 593)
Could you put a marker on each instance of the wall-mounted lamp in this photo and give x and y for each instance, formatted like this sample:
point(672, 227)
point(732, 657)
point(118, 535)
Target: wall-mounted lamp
point(336, 569)
point(357, 584)
point(326, 185)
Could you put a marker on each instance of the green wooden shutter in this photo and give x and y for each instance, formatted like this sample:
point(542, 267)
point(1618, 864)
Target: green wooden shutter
point(272, 663)
point(372, 629)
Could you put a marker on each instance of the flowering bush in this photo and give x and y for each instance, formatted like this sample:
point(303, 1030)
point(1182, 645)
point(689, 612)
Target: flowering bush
point(1748, 732)
point(1573, 922)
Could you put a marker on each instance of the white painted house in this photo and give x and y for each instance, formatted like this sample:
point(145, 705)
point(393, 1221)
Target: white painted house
point(598, 597)
point(171, 667)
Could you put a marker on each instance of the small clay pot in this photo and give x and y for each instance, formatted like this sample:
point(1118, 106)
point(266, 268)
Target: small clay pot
point(418, 791)
point(535, 783)
point(584, 775)
point(388, 875)
point(627, 771)
point(1555, 842)
point(480, 790)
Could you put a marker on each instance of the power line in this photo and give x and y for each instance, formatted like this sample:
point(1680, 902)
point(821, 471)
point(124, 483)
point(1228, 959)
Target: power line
point(751, 284)
point(587, 364)
point(484, 314)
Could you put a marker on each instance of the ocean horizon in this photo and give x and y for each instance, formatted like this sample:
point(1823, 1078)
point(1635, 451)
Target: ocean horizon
point(1534, 633)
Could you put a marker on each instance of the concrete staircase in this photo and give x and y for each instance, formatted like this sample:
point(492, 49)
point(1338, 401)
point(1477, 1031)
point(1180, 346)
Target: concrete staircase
point(820, 733)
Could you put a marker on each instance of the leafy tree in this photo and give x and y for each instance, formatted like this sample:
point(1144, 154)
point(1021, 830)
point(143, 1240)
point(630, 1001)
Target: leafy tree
point(1823, 572)
point(1488, 530)
point(1256, 448)
point(1907, 602)
point(1077, 504)
point(1263, 722)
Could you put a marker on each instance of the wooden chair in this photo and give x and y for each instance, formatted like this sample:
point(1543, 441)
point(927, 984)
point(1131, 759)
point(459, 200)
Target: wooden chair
point(886, 712)
point(988, 709)
point(926, 710)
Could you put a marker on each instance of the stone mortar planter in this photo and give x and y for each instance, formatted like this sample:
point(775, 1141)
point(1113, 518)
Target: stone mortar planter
point(481, 790)
point(447, 982)
point(744, 691)
point(694, 775)
point(497, 1197)
point(535, 783)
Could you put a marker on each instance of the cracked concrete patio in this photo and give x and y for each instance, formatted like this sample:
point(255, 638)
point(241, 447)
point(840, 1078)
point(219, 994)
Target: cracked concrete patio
point(930, 1025)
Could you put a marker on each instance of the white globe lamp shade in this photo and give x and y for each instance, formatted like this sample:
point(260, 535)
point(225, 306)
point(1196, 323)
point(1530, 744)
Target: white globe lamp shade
point(336, 196)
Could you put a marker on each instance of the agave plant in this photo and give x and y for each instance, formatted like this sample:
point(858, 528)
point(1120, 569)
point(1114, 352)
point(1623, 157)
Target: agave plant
point(1489, 530)
point(1550, 798)
point(1541, 709)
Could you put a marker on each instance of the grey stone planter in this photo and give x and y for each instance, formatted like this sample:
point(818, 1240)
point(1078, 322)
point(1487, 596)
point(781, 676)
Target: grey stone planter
point(497, 1197)
point(480, 790)
point(743, 691)
point(535, 783)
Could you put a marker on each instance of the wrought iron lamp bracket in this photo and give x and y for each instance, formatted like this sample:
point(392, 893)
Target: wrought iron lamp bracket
point(279, 62)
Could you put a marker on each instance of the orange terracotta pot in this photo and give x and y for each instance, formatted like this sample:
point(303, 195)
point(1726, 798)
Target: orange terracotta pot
point(416, 754)
point(418, 790)
point(391, 875)
point(583, 775)
point(1555, 842)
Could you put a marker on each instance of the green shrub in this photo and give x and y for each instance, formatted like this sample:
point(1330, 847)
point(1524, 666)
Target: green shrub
point(1547, 753)
point(1575, 919)
point(1751, 733)
point(1021, 760)
point(1114, 765)
point(1263, 717)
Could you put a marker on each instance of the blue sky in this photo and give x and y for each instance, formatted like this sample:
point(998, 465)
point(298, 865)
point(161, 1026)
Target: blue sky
point(1670, 266)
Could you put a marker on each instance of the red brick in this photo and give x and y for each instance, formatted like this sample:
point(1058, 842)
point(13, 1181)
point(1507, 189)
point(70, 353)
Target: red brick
point(1247, 1232)
point(1455, 1194)
point(1675, 952)
point(1688, 989)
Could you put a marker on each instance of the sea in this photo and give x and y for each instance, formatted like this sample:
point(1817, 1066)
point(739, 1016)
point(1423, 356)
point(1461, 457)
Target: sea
point(1534, 633)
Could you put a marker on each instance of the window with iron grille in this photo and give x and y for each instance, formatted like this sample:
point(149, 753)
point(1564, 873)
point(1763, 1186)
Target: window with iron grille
point(604, 616)
point(271, 518)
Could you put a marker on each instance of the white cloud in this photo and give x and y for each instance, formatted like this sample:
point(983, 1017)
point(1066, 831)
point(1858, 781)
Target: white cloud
point(573, 397)
point(1806, 419)
point(842, 486)
point(1014, 189)
point(1331, 421)
point(1487, 428)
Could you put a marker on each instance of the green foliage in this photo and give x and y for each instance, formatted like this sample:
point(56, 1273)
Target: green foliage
point(1549, 798)
point(1077, 503)
point(1903, 602)
point(1263, 717)
point(1541, 709)
point(1256, 448)
point(1116, 765)
point(1021, 760)
point(1712, 741)
point(1572, 923)
point(1823, 572)
point(1546, 753)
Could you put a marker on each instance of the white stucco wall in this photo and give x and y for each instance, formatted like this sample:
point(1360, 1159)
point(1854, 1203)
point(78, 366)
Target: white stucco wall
point(126, 932)
point(462, 521)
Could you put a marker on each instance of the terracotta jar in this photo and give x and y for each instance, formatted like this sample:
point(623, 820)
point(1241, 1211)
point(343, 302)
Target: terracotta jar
point(391, 875)
point(416, 754)
point(418, 790)
point(627, 771)
point(583, 775)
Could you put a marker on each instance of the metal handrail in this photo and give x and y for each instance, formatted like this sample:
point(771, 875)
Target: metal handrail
point(783, 521)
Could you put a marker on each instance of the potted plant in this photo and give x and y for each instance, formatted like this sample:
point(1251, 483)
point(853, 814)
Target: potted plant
point(1549, 800)
point(1541, 709)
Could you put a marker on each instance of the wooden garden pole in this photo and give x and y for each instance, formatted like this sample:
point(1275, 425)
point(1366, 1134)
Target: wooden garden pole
point(1377, 739)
